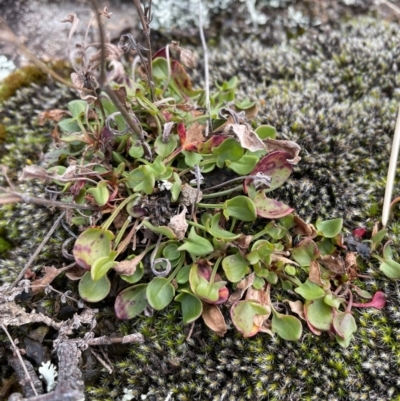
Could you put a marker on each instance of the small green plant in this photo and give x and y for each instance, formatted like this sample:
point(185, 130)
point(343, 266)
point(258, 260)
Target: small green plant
point(190, 214)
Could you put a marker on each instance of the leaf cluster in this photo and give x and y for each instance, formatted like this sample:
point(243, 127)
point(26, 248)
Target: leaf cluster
point(187, 195)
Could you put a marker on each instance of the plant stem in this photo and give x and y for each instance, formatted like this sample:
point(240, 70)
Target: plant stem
point(210, 205)
point(122, 231)
point(39, 248)
point(215, 268)
point(108, 222)
point(391, 172)
point(222, 193)
point(146, 31)
point(197, 225)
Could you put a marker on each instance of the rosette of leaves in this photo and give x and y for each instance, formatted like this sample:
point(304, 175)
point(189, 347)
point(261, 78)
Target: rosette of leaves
point(165, 241)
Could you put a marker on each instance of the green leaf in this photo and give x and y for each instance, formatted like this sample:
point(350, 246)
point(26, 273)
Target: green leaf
point(229, 149)
point(270, 208)
point(291, 270)
point(192, 158)
point(287, 327)
point(275, 231)
point(164, 149)
point(171, 252)
point(176, 187)
point(160, 292)
point(258, 283)
point(211, 292)
point(389, 268)
point(244, 165)
point(310, 290)
point(329, 228)
point(334, 301)
point(100, 193)
point(160, 68)
point(69, 125)
point(192, 307)
point(344, 325)
point(164, 230)
point(243, 314)
point(216, 231)
point(92, 244)
point(183, 275)
point(158, 168)
point(378, 237)
point(131, 302)
point(101, 266)
point(235, 267)
point(266, 131)
point(305, 252)
point(136, 151)
point(319, 314)
point(326, 246)
point(77, 108)
point(135, 277)
point(196, 245)
point(241, 208)
point(141, 179)
point(93, 291)
point(271, 277)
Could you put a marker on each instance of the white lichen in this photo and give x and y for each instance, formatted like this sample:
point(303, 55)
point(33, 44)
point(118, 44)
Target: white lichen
point(48, 373)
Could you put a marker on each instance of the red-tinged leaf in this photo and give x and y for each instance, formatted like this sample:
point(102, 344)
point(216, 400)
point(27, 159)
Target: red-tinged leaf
point(181, 78)
point(248, 316)
point(160, 53)
point(206, 147)
point(270, 208)
point(276, 166)
point(199, 278)
point(181, 132)
point(359, 232)
point(378, 301)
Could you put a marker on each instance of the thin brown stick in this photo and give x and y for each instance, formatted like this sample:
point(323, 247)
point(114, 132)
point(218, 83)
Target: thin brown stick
point(145, 21)
point(14, 197)
point(95, 6)
point(18, 354)
point(38, 250)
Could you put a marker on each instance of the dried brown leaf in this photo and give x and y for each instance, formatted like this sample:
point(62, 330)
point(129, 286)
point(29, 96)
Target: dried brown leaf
point(288, 146)
point(35, 172)
point(195, 133)
point(179, 225)
point(304, 228)
point(52, 115)
point(214, 319)
point(334, 263)
point(247, 138)
point(185, 57)
point(298, 308)
point(350, 260)
point(75, 273)
point(276, 257)
point(189, 196)
point(79, 82)
point(314, 274)
point(241, 287)
point(50, 273)
point(128, 267)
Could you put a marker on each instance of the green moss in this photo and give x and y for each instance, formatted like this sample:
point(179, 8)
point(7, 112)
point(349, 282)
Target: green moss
point(27, 75)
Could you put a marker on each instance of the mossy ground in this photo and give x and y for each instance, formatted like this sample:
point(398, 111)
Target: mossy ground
point(335, 93)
